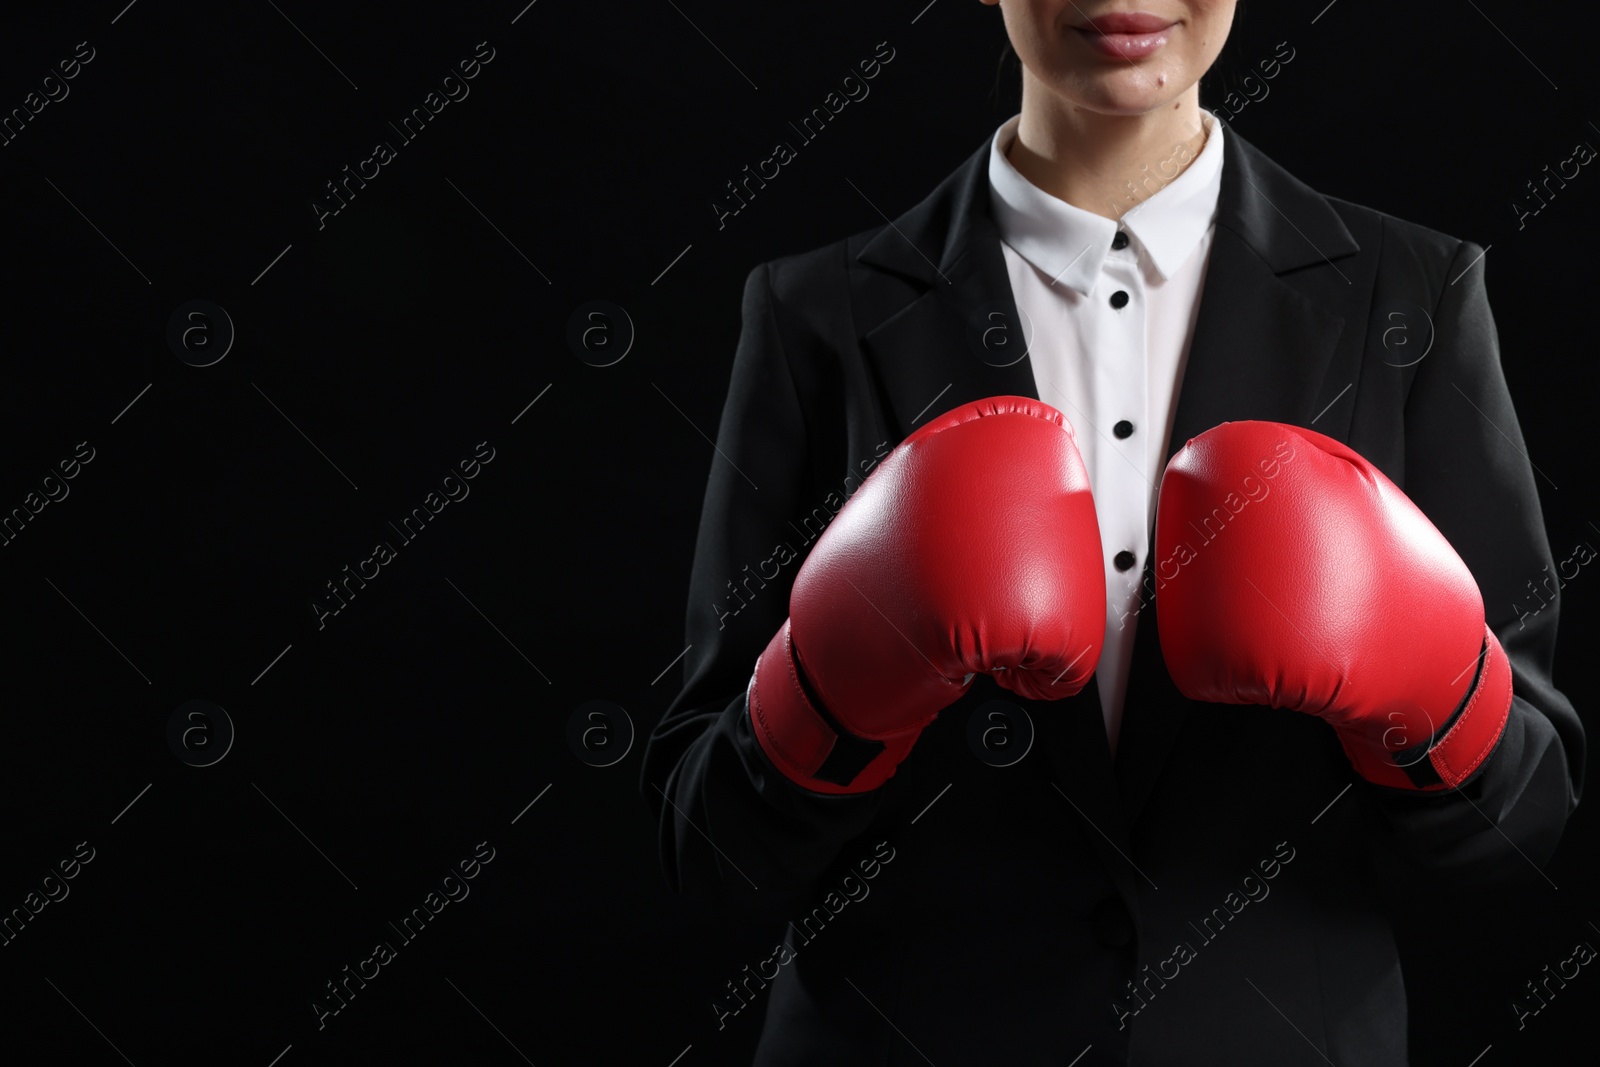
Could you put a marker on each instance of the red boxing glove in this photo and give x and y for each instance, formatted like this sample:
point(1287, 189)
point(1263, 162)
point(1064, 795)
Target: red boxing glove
point(1291, 572)
point(972, 547)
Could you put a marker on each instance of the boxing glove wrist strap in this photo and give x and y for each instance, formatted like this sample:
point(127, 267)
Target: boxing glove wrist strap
point(800, 736)
point(1459, 746)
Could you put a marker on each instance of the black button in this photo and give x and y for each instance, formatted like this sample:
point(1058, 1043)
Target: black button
point(1119, 242)
point(1123, 429)
point(1123, 560)
point(1119, 299)
point(1113, 926)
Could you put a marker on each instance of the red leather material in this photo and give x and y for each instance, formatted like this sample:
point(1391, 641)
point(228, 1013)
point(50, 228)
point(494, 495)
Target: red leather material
point(1472, 737)
point(794, 734)
point(973, 547)
point(1291, 572)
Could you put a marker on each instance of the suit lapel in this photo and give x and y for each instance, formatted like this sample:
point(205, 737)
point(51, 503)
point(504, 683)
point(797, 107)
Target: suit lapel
point(961, 339)
point(1264, 364)
point(1260, 350)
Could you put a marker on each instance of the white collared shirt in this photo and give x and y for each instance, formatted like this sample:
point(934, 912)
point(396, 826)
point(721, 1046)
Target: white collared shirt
point(1112, 369)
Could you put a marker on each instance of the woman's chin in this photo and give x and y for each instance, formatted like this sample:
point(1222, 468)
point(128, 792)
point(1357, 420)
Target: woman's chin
point(1135, 91)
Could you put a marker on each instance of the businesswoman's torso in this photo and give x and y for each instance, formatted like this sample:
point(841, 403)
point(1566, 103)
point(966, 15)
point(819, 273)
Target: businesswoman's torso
point(1125, 876)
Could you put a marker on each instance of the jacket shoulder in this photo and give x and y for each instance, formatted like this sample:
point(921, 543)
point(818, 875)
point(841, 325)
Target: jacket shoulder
point(1395, 235)
point(809, 273)
point(1414, 262)
point(811, 291)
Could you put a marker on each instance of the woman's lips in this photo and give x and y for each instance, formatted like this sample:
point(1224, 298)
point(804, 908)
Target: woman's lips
point(1126, 36)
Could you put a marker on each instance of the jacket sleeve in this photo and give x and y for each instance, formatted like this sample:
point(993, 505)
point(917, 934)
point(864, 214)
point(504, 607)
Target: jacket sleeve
point(730, 825)
point(1468, 469)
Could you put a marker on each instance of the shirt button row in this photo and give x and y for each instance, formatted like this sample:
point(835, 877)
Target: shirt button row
point(1119, 242)
point(1119, 299)
point(1124, 560)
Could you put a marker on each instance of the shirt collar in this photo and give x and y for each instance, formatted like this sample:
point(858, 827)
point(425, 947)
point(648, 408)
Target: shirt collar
point(1070, 244)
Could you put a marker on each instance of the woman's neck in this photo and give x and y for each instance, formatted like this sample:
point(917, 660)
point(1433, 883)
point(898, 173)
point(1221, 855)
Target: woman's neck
point(1106, 164)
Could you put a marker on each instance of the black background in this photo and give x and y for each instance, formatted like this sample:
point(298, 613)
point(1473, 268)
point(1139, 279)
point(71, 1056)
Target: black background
point(422, 319)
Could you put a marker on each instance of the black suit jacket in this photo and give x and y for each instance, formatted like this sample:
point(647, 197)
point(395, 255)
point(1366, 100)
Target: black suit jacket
point(1216, 894)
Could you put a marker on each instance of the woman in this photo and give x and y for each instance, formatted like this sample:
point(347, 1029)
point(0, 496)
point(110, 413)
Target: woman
point(1134, 859)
